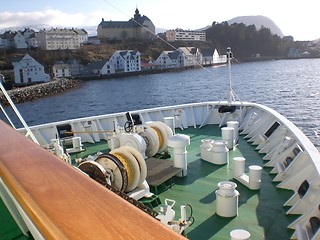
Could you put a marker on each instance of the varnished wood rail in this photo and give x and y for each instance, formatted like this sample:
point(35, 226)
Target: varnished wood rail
point(62, 202)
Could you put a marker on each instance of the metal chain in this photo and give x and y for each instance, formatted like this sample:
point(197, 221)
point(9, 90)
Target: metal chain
point(131, 200)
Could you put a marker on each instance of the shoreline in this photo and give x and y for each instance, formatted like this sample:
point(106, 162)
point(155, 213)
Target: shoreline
point(34, 92)
point(54, 87)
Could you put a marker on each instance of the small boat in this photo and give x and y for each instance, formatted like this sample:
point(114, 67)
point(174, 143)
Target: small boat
point(210, 170)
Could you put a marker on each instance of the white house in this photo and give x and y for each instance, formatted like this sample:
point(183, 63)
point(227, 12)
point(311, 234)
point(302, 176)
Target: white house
point(126, 61)
point(27, 70)
point(219, 59)
point(207, 56)
point(61, 70)
point(20, 41)
point(171, 59)
point(193, 55)
point(212, 57)
point(100, 68)
point(30, 36)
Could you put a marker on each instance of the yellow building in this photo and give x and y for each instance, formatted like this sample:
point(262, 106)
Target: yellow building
point(139, 27)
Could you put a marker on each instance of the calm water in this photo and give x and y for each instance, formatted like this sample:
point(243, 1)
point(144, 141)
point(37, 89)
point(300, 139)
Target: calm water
point(289, 86)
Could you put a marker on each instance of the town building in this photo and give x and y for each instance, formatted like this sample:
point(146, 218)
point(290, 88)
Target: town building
point(75, 67)
point(185, 35)
point(138, 27)
point(20, 41)
point(59, 39)
point(30, 36)
point(27, 70)
point(126, 61)
point(7, 39)
point(171, 59)
point(193, 56)
point(100, 68)
point(212, 57)
point(61, 70)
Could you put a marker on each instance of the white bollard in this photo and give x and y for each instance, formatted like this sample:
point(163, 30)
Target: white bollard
point(219, 152)
point(239, 164)
point(205, 147)
point(179, 142)
point(227, 135)
point(239, 234)
point(235, 126)
point(255, 177)
point(227, 199)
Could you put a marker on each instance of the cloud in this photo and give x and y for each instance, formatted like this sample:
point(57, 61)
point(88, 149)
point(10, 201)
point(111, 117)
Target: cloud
point(50, 17)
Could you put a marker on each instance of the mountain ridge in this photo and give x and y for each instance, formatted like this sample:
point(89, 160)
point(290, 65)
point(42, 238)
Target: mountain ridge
point(258, 21)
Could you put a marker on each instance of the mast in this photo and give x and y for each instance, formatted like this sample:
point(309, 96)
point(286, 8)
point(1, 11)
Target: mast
point(232, 95)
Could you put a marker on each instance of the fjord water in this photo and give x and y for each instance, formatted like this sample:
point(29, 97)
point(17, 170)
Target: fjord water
point(291, 87)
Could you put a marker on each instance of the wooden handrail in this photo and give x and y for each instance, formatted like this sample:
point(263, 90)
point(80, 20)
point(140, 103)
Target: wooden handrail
point(62, 202)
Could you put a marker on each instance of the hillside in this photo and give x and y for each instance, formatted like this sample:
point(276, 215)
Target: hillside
point(258, 21)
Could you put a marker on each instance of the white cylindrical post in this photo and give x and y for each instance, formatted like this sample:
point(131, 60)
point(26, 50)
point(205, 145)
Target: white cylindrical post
point(239, 234)
point(235, 126)
point(179, 142)
point(219, 152)
point(227, 135)
point(205, 147)
point(239, 164)
point(169, 121)
point(227, 199)
point(255, 177)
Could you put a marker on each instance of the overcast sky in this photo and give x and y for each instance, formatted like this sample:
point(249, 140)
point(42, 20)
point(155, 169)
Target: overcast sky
point(299, 19)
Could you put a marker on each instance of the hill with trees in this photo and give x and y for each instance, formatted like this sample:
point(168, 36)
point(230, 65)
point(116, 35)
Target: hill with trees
point(247, 41)
point(258, 21)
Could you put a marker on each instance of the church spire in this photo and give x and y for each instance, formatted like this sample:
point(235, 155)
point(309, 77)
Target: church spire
point(137, 14)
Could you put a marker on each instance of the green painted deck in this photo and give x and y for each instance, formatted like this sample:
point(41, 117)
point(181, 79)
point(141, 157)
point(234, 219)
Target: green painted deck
point(8, 227)
point(261, 212)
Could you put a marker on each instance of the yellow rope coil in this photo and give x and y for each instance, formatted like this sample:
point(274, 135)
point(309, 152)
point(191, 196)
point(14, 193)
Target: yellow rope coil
point(127, 165)
point(159, 136)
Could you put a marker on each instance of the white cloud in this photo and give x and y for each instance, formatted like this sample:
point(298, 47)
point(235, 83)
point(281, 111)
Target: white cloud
point(48, 17)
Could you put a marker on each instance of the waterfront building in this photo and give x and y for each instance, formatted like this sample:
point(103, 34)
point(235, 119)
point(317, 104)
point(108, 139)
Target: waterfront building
point(171, 59)
point(185, 35)
point(138, 27)
point(126, 61)
point(58, 39)
point(193, 56)
point(212, 57)
point(27, 70)
point(100, 68)
point(61, 70)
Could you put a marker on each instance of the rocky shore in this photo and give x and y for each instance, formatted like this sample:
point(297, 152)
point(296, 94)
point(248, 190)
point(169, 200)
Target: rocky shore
point(31, 93)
